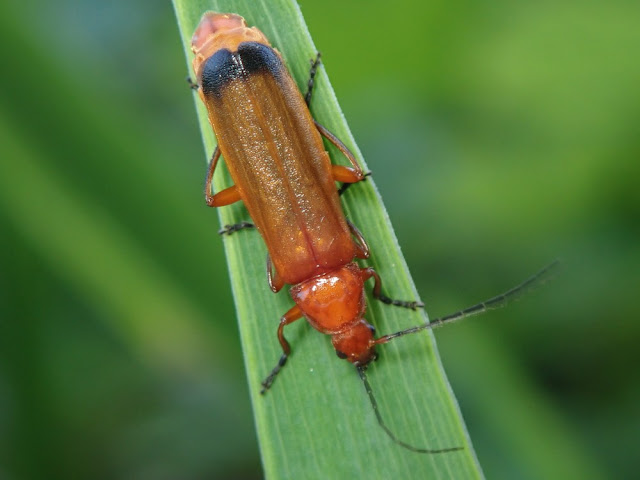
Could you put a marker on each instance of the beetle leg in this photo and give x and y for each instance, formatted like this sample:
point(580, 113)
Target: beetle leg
point(347, 175)
point(225, 197)
point(369, 272)
point(312, 74)
point(229, 229)
point(275, 282)
point(293, 314)
point(192, 85)
point(362, 249)
point(342, 147)
point(345, 186)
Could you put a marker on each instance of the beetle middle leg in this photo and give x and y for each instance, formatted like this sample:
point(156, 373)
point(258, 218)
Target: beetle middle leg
point(230, 228)
point(293, 314)
point(346, 185)
point(369, 272)
point(346, 175)
point(362, 248)
point(225, 197)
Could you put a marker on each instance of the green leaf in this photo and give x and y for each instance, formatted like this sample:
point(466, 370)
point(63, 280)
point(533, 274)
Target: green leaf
point(316, 421)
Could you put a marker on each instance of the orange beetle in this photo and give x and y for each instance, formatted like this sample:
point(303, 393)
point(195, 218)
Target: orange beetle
point(275, 154)
point(282, 173)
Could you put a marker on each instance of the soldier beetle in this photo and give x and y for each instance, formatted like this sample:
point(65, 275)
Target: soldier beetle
point(274, 151)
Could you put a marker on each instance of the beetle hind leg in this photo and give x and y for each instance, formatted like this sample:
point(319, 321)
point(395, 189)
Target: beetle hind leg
point(192, 85)
point(312, 75)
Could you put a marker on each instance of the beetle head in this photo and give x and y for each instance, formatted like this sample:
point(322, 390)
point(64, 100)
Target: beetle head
point(356, 344)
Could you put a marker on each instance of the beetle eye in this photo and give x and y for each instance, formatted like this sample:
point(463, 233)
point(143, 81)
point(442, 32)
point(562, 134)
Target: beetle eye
point(372, 328)
point(341, 354)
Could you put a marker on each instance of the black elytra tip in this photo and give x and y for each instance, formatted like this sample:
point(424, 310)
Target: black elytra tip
point(225, 66)
point(220, 68)
point(257, 57)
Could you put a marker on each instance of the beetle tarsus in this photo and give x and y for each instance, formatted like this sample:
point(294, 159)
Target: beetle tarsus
point(229, 229)
point(192, 85)
point(412, 305)
point(267, 382)
point(312, 74)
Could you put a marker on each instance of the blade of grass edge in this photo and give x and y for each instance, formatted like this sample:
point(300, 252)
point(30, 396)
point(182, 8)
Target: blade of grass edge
point(316, 422)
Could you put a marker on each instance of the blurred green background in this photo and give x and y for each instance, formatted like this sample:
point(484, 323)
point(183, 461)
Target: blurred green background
point(500, 134)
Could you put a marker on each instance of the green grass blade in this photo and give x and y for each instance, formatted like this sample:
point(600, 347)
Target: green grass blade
point(316, 422)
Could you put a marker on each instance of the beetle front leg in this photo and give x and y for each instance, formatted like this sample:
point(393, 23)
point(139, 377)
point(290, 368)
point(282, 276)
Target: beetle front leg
point(369, 272)
point(291, 316)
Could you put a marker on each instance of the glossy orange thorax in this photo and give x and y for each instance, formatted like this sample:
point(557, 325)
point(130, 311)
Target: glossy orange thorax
point(334, 303)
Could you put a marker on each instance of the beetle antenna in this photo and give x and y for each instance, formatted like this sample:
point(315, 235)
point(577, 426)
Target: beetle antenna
point(536, 280)
point(374, 404)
